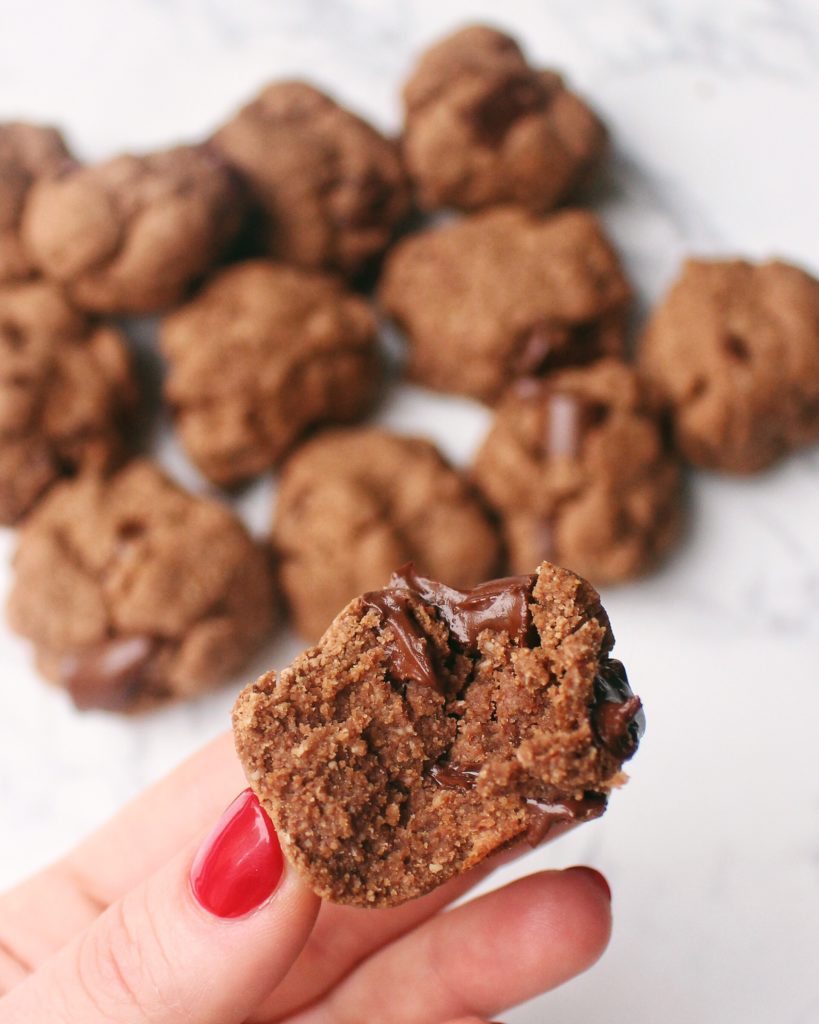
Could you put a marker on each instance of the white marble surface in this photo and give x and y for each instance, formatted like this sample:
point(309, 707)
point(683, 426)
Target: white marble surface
point(713, 848)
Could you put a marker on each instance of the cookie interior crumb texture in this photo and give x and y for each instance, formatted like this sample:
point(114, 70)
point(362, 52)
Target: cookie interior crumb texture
point(431, 727)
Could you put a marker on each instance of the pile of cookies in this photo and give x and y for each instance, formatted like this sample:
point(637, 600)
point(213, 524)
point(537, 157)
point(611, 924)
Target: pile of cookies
point(265, 249)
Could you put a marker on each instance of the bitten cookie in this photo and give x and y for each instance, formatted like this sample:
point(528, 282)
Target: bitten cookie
point(133, 591)
point(67, 394)
point(261, 355)
point(131, 234)
point(501, 295)
point(733, 349)
point(355, 504)
point(432, 727)
point(482, 127)
point(27, 152)
point(329, 190)
point(579, 472)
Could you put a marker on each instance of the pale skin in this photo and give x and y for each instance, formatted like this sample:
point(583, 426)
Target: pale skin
point(112, 932)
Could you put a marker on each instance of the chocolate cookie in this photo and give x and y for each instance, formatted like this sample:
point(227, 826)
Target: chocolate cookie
point(133, 591)
point(261, 355)
point(733, 349)
point(27, 152)
point(432, 727)
point(503, 294)
point(579, 472)
point(131, 234)
point(353, 505)
point(67, 394)
point(329, 190)
point(482, 127)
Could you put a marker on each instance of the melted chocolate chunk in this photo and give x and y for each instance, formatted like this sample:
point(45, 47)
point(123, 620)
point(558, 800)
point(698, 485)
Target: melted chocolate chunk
point(617, 715)
point(455, 776)
point(543, 816)
point(410, 655)
point(501, 605)
point(109, 676)
point(551, 345)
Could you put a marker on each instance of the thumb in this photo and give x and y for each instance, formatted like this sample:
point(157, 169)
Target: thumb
point(204, 940)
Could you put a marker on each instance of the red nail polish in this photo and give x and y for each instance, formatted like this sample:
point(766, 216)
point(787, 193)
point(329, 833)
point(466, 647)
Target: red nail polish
point(240, 863)
point(598, 879)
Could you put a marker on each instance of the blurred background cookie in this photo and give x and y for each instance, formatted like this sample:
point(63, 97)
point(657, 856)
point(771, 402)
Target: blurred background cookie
point(482, 127)
point(262, 354)
point(578, 469)
point(133, 591)
point(328, 189)
point(27, 152)
point(68, 396)
point(733, 349)
point(130, 235)
point(355, 505)
point(503, 294)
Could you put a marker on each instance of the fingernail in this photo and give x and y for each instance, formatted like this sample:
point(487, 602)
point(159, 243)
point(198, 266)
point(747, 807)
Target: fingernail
point(598, 879)
point(240, 863)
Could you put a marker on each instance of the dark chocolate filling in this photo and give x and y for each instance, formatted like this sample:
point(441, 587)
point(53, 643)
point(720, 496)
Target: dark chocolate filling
point(617, 715)
point(501, 605)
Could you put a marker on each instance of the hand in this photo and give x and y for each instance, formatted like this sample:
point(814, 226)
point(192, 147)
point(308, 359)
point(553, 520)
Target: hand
point(127, 928)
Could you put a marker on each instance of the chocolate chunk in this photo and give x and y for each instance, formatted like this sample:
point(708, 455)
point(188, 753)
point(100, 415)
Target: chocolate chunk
point(544, 816)
point(501, 605)
point(455, 776)
point(110, 675)
point(617, 716)
point(410, 657)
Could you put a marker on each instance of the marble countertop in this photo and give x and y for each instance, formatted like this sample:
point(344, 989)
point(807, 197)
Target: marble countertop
point(713, 848)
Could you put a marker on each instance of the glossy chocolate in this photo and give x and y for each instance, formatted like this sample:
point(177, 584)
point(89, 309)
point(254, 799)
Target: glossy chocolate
point(501, 605)
point(110, 675)
point(617, 715)
point(543, 816)
point(455, 776)
point(410, 654)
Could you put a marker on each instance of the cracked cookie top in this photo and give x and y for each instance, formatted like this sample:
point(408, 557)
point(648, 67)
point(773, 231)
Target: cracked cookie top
point(132, 234)
point(482, 127)
point(134, 591)
point(67, 394)
point(733, 350)
point(354, 504)
point(431, 727)
point(264, 353)
point(27, 152)
point(328, 189)
point(579, 471)
point(500, 295)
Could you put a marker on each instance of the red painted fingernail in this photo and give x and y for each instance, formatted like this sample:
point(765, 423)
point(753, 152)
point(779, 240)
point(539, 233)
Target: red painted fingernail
point(240, 863)
point(598, 879)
